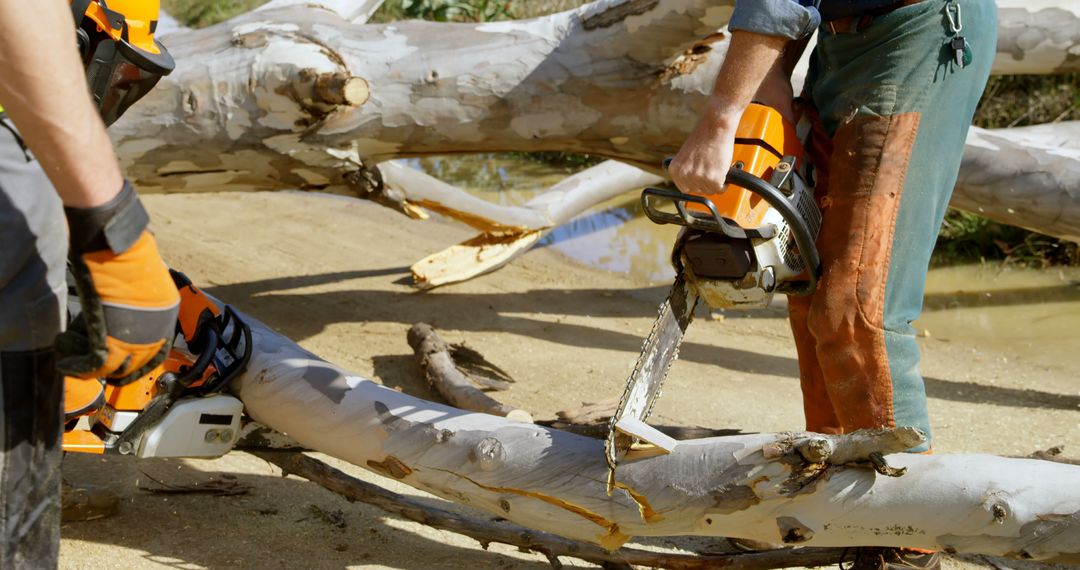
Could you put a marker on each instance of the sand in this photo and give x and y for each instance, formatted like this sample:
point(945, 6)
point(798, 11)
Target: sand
point(332, 273)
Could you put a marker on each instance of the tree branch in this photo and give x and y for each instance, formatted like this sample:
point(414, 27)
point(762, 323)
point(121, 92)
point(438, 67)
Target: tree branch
point(495, 530)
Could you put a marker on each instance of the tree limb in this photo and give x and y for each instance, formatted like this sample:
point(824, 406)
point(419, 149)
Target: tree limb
point(759, 486)
point(495, 530)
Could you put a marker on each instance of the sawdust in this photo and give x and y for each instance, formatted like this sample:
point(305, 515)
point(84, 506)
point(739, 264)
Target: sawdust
point(328, 272)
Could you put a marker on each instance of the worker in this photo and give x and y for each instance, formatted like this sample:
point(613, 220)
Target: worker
point(64, 201)
point(891, 90)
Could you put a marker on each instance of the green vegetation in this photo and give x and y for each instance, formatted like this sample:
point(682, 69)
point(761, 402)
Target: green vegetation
point(201, 13)
point(469, 10)
point(444, 10)
point(1009, 101)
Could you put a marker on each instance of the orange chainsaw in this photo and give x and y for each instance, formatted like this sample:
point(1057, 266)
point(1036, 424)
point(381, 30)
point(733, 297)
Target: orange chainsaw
point(738, 247)
point(181, 408)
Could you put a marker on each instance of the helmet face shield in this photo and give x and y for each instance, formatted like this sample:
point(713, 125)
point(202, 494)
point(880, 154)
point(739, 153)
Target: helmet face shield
point(118, 72)
point(116, 82)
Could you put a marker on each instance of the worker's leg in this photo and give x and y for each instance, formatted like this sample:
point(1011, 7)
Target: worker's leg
point(32, 295)
point(896, 109)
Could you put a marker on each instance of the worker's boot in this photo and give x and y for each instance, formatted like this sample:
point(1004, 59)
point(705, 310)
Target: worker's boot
point(79, 504)
point(883, 558)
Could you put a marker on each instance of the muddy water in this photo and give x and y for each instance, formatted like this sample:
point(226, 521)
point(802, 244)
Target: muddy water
point(1018, 311)
point(1034, 313)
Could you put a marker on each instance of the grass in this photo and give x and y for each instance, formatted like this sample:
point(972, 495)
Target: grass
point(201, 13)
point(1009, 101)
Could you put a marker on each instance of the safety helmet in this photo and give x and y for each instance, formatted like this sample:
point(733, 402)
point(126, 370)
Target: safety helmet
point(123, 60)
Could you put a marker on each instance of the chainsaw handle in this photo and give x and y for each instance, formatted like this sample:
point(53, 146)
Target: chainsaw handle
point(803, 236)
point(209, 334)
point(713, 222)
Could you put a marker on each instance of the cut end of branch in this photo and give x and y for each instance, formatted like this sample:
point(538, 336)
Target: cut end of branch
point(339, 88)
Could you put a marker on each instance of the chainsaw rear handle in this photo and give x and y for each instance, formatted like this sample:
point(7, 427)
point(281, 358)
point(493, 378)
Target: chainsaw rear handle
point(718, 224)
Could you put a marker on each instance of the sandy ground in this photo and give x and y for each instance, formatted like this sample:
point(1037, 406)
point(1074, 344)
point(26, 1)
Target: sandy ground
point(332, 273)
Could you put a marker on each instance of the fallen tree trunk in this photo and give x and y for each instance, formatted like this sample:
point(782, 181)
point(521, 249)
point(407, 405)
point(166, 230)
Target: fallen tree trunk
point(290, 97)
point(1037, 188)
point(799, 488)
point(488, 530)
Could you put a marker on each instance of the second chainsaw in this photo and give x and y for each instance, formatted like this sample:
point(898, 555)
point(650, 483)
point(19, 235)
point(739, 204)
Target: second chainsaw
point(751, 239)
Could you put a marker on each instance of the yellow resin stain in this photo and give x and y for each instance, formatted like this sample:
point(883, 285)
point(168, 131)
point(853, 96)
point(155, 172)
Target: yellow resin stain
point(646, 510)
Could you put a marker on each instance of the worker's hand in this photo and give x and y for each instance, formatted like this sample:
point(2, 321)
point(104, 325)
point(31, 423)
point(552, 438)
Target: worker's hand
point(702, 164)
point(128, 299)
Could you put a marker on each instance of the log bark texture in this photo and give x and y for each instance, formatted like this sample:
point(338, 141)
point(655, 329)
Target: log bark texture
point(797, 488)
point(290, 97)
point(493, 530)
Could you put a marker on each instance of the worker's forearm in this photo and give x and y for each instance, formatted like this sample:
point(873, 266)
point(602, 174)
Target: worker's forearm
point(749, 60)
point(43, 89)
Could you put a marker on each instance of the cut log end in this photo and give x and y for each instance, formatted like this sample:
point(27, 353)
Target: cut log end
point(342, 89)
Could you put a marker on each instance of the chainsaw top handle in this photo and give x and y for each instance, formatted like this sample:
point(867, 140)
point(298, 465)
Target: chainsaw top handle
point(714, 222)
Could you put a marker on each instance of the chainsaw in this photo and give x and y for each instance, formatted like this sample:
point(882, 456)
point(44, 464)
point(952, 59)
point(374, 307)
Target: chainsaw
point(179, 409)
point(737, 249)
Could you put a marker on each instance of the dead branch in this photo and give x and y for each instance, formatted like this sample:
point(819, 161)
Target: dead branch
point(442, 373)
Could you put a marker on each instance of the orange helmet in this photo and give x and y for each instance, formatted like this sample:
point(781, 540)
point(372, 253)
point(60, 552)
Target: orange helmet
point(123, 60)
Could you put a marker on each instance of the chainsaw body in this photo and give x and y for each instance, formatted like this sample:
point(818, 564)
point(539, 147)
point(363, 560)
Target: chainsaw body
point(181, 408)
point(739, 246)
point(756, 237)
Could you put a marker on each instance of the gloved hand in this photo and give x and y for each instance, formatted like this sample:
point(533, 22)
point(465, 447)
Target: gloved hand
point(129, 301)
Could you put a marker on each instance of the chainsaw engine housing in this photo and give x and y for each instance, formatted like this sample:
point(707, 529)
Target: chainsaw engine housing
point(755, 237)
point(745, 272)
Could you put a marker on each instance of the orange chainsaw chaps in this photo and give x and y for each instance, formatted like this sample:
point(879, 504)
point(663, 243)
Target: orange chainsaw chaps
point(761, 140)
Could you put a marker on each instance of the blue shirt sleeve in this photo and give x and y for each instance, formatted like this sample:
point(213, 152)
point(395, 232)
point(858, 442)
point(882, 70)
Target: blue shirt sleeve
point(794, 19)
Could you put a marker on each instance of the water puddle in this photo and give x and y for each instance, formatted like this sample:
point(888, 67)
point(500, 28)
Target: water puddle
point(1011, 310)
point(1014, 310)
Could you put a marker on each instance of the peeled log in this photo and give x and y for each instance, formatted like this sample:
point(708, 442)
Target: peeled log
point(752, 486)
point(1037, 187)
point(249, 106)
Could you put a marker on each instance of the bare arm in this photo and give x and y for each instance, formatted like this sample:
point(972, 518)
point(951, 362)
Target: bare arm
point(701, 165)
point(43, 89)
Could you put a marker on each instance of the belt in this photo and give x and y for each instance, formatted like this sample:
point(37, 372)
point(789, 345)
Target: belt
point(855, 24)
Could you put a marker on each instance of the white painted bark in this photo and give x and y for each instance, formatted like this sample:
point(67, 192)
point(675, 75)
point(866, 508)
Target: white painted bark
point(752, 486)
point(289, 97)
point(356, 11)
point(1038, 187)
point(507, 232)
point(1038, 36)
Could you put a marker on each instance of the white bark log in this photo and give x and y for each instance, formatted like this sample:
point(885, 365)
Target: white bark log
point(290, 97)
point(752, 486)
point(507, 231)
point(1037, 187)
point(356, 11)
point(1038, 36)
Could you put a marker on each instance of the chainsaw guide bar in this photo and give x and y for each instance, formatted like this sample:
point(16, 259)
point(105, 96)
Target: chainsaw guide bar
point(661, 348)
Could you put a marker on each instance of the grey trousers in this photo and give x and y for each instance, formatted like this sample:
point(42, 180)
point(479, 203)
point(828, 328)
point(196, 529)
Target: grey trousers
point(33, 250)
